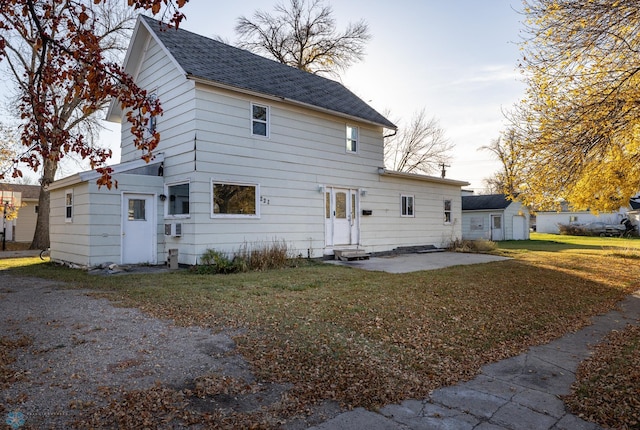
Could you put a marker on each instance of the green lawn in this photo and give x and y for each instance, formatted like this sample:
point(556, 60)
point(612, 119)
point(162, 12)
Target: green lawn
point(369, 338)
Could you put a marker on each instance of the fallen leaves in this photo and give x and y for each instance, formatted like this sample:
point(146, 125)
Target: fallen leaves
point(607, 389)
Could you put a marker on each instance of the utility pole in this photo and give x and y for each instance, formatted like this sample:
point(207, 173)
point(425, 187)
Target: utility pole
point(444, 171)
point(4, 226)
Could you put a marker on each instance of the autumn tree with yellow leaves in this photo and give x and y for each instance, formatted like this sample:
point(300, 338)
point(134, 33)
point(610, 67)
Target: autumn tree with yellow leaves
point(581, 115)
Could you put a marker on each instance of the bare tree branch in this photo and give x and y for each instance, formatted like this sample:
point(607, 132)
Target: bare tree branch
point(303, 34)
point(420, 148)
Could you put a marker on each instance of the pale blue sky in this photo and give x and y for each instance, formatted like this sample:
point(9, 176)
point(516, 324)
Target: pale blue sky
point(455, 58)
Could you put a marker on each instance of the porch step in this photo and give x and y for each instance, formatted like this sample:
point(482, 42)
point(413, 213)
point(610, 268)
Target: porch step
point(350, 254)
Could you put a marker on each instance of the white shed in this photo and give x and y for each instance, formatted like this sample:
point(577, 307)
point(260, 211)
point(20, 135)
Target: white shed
point(494, 217)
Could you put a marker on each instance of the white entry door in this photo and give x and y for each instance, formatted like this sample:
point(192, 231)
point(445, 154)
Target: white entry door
point(138, 229)
point(496, 228)
point(341, 217)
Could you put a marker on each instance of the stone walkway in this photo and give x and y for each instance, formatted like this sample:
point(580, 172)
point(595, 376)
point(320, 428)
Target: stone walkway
point(518, 393)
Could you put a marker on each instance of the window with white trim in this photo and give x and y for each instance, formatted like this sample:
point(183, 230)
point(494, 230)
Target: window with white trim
point(68, 206)
point(234, 200)
point(177, 203)
point(406, 206)
point(259, 120)
point(447, 211)
point(352, 139)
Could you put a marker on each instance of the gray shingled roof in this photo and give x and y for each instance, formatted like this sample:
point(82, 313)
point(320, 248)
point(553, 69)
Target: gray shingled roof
point(484, 202)
point(211, 60)
point(29, 192)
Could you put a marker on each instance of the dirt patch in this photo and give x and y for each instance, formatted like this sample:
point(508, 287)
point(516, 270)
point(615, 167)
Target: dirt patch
point(88, 362)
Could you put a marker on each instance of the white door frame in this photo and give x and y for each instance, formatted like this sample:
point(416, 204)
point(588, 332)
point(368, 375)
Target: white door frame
point(352, 216)
point(149, 253)
point(501, 229)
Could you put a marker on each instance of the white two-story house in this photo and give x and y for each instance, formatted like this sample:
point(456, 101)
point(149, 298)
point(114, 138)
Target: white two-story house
point(251, 151)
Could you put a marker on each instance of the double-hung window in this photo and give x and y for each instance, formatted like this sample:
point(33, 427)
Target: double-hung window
point(259, 120)
point(447, 211)
point(68, 206)
point(234, 200)
point(406, 206)
point(352, 139)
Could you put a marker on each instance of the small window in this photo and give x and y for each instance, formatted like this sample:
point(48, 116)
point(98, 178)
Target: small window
point(327, 205)
point(407, 206)
point(573, 218)
point(35, 209)
point(447, 211)
point(259, 120)
point(234, 200)
point(137, 211)
point(352, 139)
point(178, 199)
point(68, 206)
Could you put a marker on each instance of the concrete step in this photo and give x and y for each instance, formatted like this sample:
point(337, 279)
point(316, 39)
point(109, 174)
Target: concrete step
point(350, 254)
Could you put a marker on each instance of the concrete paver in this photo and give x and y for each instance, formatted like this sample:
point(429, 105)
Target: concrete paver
point(405, 263)
point(517, 393)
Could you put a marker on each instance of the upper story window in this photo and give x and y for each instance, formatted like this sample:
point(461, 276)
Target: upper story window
point(259, 120)
point(352, 139)
point(406, 208)
point(68, 206)
point(447, 211)
point(177, 200)
point(234, 200)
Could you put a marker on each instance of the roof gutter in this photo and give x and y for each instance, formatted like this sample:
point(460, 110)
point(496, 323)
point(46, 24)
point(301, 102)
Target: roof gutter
point(425, 178)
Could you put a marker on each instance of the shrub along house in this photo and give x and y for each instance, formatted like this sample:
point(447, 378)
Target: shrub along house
point(252, 151)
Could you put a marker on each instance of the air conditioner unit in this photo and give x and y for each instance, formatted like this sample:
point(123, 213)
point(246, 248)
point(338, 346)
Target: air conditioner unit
point(173, 229)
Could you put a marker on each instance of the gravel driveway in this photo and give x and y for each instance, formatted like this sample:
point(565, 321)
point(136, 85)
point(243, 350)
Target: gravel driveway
point(81, 346)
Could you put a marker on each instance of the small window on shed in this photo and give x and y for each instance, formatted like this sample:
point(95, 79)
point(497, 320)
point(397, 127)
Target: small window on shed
point(68, 206)
point(447, 211)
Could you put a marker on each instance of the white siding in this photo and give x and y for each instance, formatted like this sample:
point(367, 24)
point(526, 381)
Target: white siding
point(305, 150)
point(95, 234)
point(483, 217)
point(70, 240)
point(547, 222)
point(159, 75)
point(26, 222)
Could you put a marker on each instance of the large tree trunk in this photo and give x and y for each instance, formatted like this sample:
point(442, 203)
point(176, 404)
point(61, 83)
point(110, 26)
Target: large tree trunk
point(41, 235)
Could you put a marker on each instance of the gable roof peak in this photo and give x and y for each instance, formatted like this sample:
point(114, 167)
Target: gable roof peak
point(217, 63)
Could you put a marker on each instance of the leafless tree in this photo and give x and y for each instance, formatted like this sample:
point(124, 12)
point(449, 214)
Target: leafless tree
point(507, 150)
point(303, 34)
point(419, 148)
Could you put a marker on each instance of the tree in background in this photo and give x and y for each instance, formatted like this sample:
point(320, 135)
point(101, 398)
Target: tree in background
point(507, 150)
point(419, 148)
point(8, 148)
point(581, 116)
point(303, 35)
point(58, 53)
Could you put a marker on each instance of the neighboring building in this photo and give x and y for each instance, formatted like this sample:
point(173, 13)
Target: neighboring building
point(21, 229)
point(548, 222)
point(494, 217)
point(251, 151)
